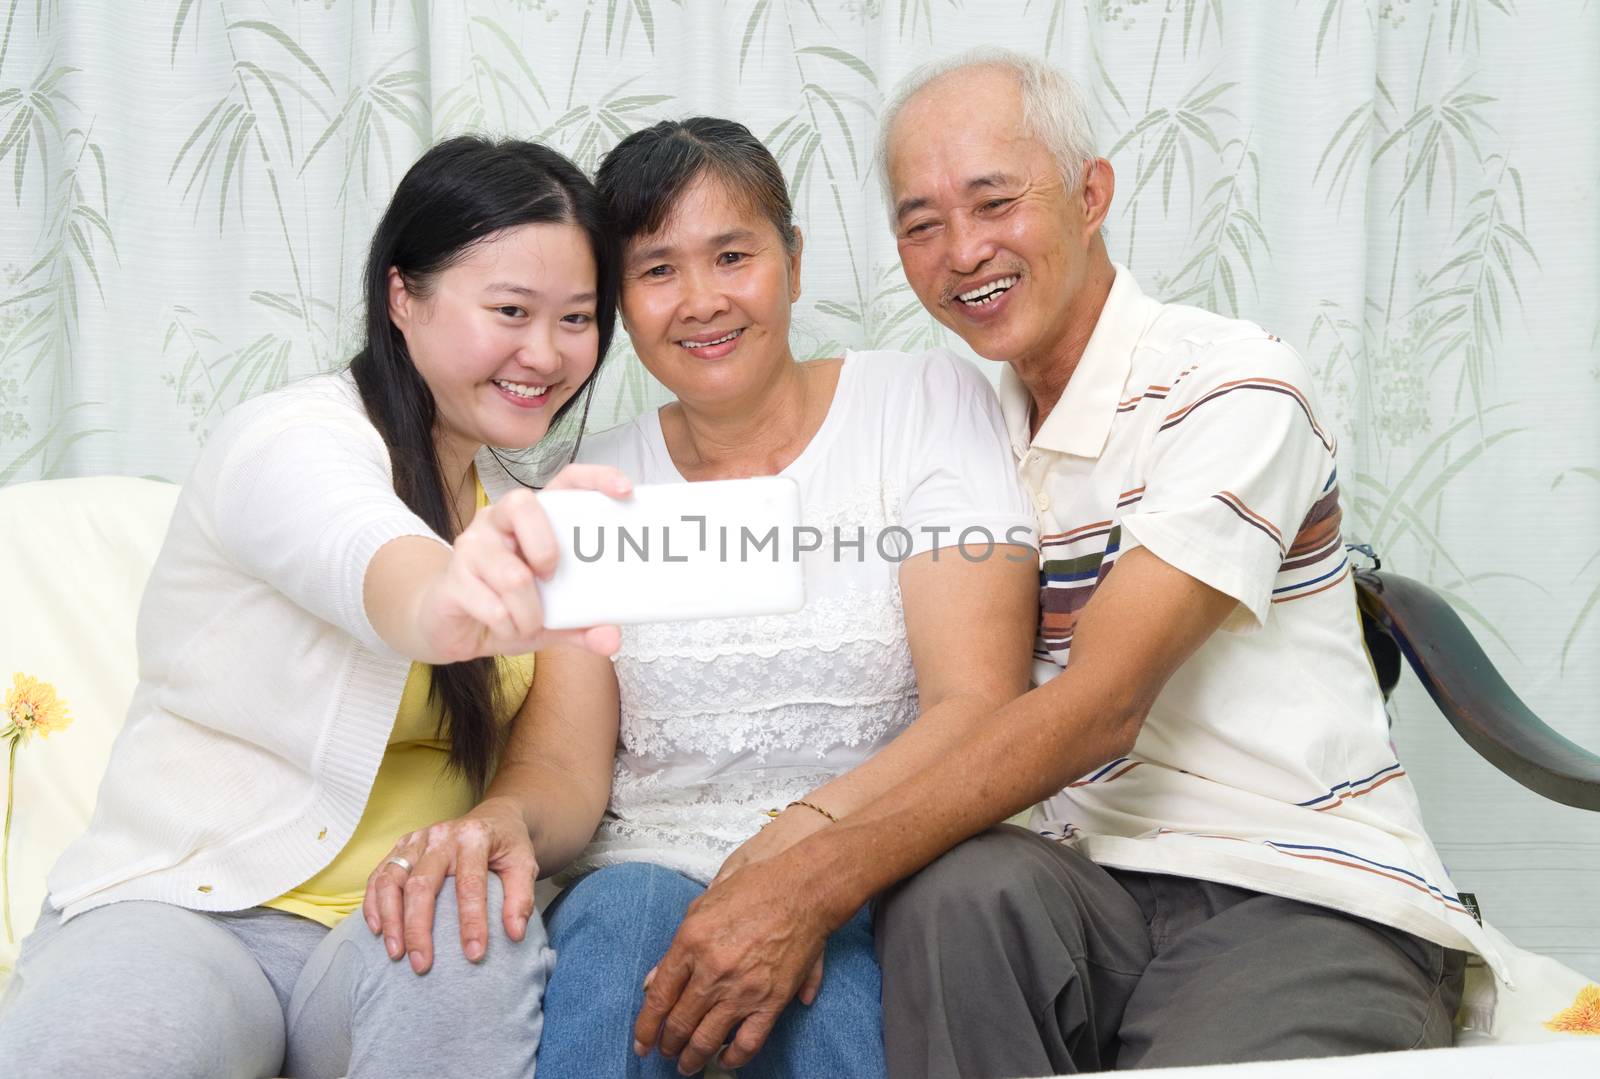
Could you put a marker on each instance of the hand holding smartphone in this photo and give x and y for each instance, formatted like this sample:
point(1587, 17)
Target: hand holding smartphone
point(674, 551)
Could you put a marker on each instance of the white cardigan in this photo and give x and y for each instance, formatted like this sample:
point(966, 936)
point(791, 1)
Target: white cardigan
point(265, 697)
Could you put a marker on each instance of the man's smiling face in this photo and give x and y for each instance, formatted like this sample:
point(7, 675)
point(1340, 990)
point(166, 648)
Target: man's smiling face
point(992, 239)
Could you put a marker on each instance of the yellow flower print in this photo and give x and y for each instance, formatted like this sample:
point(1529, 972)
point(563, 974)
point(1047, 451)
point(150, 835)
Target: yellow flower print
point(1584, 1015)
point(32, 706)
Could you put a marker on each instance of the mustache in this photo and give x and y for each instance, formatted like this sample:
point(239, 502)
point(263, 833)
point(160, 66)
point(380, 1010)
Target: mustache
point(956, 286)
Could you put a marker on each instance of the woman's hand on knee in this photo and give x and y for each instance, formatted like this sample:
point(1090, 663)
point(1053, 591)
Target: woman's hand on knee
point(402, 892)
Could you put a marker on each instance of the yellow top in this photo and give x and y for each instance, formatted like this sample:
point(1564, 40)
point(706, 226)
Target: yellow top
point(413, 789)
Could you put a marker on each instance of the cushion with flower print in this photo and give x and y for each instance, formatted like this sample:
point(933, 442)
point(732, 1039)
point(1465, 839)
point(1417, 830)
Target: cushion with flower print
point(32, 707)
point(74, 557)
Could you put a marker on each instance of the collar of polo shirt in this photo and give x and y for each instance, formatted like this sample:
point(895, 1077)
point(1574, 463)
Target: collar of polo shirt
point(1081, 420)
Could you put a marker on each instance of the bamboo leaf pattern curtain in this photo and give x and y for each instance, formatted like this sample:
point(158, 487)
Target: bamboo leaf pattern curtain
point(1402, 189)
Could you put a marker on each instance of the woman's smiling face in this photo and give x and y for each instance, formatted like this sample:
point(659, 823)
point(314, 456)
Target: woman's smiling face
point(706, 299)
point(503, 336)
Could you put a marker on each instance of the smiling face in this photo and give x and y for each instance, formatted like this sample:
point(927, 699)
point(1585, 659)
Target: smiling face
point(502, 337)
point(993, 241)
point(706, 299)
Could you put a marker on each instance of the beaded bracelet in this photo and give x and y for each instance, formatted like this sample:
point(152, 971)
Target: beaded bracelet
point(812, 805)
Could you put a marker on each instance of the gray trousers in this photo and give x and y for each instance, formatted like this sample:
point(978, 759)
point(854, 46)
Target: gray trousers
point(148, 989)
point(1013, 955)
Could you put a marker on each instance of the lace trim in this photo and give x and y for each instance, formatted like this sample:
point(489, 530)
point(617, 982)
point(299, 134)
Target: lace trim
point(716, 817)
point(723, 719)
point(807, 731)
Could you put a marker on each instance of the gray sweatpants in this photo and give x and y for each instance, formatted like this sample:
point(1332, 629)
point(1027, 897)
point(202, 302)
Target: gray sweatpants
point(1013, 955)
point(148, 989)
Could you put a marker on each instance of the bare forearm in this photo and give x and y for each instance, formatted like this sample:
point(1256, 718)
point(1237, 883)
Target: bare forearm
point(1027, 751)
point(559, 811)
point(396, 578)
point(937, 733)
point(1146, 620)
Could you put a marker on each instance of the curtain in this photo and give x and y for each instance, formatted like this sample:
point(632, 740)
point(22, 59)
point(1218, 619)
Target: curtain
point(1402, 189)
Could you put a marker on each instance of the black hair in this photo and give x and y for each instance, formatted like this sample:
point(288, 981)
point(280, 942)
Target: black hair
point(646, 173)
point(460, 192)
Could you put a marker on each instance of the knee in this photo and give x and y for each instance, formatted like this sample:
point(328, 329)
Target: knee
point(456, 893)
point(997, 869)
point(188, 1015)
point(633, 896)
point(607, 930)
point(530, 951)
point(356, 948)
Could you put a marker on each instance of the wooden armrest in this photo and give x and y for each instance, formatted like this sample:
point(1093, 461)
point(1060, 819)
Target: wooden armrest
point(1473, 696)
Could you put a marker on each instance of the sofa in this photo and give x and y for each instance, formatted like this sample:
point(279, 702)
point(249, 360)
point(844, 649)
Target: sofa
point(74, 556)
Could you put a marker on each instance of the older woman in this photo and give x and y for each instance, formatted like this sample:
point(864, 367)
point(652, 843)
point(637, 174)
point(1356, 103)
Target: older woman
point(809, 714)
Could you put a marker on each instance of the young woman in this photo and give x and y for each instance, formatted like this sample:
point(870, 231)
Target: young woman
point(903, 643)
point(317, 678)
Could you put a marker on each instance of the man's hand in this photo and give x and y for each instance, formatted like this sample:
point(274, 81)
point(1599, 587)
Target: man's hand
point(784, 831)
point(740, 955)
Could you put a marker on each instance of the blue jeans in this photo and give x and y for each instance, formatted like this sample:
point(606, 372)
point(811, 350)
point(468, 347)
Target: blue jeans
point(611, 927)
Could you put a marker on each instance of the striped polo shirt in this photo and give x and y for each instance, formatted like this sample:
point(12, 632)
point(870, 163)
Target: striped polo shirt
point(1265, 762)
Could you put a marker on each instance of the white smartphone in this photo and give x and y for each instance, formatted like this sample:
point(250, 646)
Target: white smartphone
point(674, 551)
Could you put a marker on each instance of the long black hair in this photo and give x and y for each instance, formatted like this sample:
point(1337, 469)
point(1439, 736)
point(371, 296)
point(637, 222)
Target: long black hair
point(460, 192)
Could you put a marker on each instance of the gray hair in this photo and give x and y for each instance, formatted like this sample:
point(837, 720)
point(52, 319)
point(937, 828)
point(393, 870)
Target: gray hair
point(1053, 109)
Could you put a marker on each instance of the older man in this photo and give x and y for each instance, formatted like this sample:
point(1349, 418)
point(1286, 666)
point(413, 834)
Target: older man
point(1229, 863)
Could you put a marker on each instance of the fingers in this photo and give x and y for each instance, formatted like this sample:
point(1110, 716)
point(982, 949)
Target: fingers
point(421, 892)
point(813, 984)
point(472, 888)
point(602, 478)
point(752, 1035)
point(661, 994)
point(684, 1018)
point(520, 516)
point(488, 552)
point(518, 870)
point(709, 1037)
point(601, 640)
point(498, 560)
point(477, 598)
point(369, 901)
point(386, 898)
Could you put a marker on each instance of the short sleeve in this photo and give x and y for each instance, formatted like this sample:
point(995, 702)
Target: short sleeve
point(1233, 470)
point(960, 479)
point(304, 503)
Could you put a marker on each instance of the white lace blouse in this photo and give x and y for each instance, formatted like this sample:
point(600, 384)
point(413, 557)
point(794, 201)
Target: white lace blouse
point(724, 719)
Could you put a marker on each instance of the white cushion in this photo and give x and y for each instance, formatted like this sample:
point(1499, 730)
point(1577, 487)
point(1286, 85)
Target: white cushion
point(74, 558)
point(1493, 1013)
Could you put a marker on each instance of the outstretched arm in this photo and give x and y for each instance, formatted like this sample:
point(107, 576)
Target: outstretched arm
point(480, 596)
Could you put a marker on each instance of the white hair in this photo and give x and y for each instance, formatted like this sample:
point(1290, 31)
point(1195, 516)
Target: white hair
point(1053, 109)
